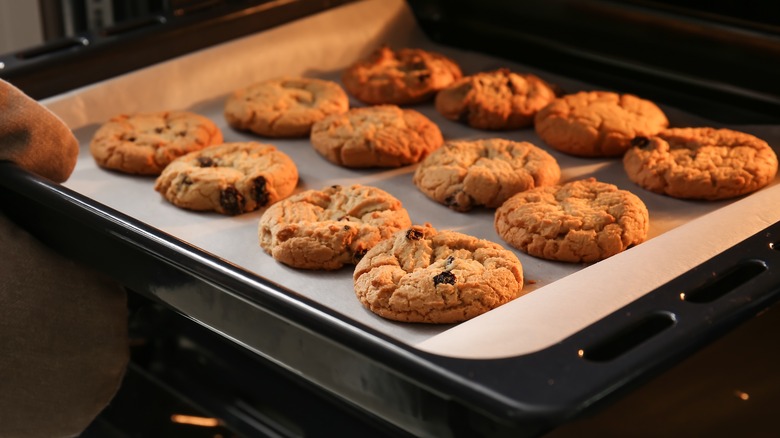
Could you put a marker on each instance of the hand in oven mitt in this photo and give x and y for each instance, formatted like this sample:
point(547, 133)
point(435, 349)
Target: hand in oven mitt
point(63, 328)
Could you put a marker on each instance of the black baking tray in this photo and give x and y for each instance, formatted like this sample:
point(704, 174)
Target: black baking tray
point(423, 393)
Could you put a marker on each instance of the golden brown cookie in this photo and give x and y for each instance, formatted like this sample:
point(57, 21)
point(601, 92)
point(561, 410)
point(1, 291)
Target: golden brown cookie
point(145, 143)
point(377, 136)
point(597, 123)
point(701, 163)
point(399, 77)
point(581, 221)
point(284, 107)
point(466, 174)
point(328, 228)
point(231, 178)
point(495, 100)
point(424, 275)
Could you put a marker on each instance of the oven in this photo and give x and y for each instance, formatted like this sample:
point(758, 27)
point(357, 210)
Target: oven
point(673, 336)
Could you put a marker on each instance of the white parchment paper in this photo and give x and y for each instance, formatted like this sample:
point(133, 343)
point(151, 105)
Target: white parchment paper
point(562, 299)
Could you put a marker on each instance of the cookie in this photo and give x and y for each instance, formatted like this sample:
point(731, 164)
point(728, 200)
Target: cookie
point(377, 136)
point(144, 143)
point(284, 107)
point(495, 100)
point(424, 275)
point(581, 221)
point(701, 163)
point(466, 174)
point(231, 178)
point(399, 77)
point(597, 123)
point(329, 228)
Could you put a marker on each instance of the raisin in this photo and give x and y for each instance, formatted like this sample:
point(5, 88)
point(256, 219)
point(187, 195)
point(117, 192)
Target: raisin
point(231, 200)
point(205, 162)
point(445, 277)
point(261, 195)
point(640, 142)
point(413, 234)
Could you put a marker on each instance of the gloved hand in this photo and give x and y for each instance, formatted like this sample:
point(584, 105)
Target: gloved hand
point(63, 327)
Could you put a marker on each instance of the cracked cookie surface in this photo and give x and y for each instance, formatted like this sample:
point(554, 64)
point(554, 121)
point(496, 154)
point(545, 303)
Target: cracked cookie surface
point(399, 77)
point(424, 275)
point(701, 163)
point(144, 143)
point(495, 100)
point(581, 221)
point(377, 136)
point(284, 107)
point(231, 178)
point(597, 123)
point(329, 228)
point(466, 174)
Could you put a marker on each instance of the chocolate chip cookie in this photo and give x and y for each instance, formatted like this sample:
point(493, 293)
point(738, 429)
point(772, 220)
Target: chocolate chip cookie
point(284, 107)
point(231, 178)
point(495, 100)
point(466, 174)
point(581, 221)
point(329, 228)
point(399, 77)
point(597, 123)
point(145, 143)
point(424, 275)
point(377, 136)
point(701, 163)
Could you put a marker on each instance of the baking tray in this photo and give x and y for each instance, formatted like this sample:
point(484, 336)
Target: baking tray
point(584, 332)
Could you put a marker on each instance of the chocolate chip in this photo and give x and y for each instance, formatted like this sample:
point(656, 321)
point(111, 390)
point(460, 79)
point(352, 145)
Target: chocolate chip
point(335, 187)
point(231, 200)
point(358, 255)
point(343, 218)
point(450, 201)
point(449, 261)
point(347, 228)
point(158, 130)
point(205, 162)
point(260, 193)
point(640, 142)
point(463, 117)
point(413, 234)
point(423, 77)
point(186, 181)
point(444, 277)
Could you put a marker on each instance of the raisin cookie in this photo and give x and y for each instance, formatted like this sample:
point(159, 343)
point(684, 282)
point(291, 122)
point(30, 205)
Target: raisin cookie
point(424, 275)
point(399, 77)
point(701, 163)
point(495, 100)
point(231, 178)
point(581, 221)
point(466, 174)
point(377, 136)
point(328, 228)
point(285, 107)
point(144, 143)
point(597, 123)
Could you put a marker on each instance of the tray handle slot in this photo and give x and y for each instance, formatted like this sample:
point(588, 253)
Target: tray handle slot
point(628, 337)
point(722, 284)
point(57, 46)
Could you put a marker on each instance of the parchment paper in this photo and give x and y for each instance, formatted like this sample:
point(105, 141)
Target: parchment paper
point(562, 298)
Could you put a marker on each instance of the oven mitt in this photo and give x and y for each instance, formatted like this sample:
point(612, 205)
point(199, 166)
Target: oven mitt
point(63, 327)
